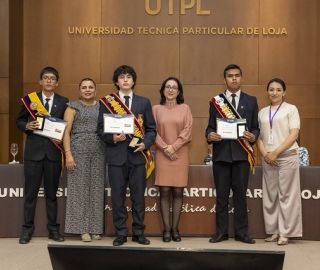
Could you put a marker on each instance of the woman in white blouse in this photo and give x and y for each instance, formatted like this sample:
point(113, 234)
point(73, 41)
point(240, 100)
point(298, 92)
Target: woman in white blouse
point(279, 130)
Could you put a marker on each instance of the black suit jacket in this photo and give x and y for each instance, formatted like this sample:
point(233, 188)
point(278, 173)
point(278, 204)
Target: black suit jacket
point(117, 153)
point(231, 150)
point(36, 146)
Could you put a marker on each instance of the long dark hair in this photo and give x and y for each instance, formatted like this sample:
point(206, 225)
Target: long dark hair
point(179, 98)
point(278, 81)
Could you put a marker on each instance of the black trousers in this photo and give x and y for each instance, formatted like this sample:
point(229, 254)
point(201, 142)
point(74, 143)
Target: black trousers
point(119, 178)
point(34, 172)
point(231, 176)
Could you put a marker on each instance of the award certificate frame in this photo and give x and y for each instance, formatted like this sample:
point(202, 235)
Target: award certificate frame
point(231, 129)
point(118, 123)
point(52, 127)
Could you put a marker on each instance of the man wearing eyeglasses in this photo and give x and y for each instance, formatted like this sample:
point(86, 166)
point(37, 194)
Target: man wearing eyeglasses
point(42, 157)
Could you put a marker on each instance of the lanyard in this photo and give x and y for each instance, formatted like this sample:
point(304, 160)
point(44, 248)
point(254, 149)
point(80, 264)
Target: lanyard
point(271, 118)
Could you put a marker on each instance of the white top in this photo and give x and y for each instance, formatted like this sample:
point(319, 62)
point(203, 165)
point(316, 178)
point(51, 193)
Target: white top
point(285, 119)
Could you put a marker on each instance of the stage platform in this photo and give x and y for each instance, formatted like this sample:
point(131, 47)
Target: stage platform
point(299, 254)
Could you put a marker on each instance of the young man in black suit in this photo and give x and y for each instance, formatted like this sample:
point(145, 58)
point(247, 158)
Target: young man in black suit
point(231, 158)
point(42, 158)
point(126, 164)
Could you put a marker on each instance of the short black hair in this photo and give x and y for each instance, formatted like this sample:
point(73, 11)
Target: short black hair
point(231, 66)
point(124, 69)
point(179, 98)
point(278, 81)
point(87, 79)
point(49, 70)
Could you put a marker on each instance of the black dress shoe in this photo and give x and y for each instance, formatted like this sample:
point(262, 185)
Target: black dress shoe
point(141, 239)
point(56, 236)
point(175, 236)
point(218, 238)
point(120, 240)
point(25, 238)
point(166, 236)
point(244, 238)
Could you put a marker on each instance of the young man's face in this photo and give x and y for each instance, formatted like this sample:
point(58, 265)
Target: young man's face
point(48, 82)
point(125, 82)
point(233, 80)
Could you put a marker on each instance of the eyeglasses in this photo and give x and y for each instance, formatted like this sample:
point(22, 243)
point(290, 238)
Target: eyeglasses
point(49, 78)
point(173, 88)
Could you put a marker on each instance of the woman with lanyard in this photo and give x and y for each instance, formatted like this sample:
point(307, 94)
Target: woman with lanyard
point(279, 130)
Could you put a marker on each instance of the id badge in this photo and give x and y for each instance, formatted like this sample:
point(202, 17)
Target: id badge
point(270, 139)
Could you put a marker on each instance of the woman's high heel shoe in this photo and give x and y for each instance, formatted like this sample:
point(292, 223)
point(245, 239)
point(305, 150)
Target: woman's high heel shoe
point(166, 236)
point(175, 236)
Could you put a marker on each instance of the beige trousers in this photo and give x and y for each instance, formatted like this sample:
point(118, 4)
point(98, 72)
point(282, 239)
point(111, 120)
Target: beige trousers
point(282, 196)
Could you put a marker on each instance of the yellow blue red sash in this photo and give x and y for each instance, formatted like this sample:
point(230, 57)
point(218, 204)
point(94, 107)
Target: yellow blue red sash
point(115, 106)
point(226, 110)
point(35, 107)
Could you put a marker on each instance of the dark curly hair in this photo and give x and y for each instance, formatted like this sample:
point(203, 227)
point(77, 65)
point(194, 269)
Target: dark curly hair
point(124, 69)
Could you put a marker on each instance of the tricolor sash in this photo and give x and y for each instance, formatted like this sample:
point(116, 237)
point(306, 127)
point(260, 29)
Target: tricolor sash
point(115, 106)
point(226, 110)
point(35, 107)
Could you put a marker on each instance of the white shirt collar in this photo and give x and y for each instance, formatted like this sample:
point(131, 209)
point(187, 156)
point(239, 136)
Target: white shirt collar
point(228, 93)
point(44, 97)
point(122, 95)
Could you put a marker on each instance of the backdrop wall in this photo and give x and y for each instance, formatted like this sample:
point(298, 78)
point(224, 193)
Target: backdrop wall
point(191, 39)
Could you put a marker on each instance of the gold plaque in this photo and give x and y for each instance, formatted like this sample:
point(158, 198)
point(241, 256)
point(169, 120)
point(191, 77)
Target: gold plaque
point(40, 120)
point(134, 141)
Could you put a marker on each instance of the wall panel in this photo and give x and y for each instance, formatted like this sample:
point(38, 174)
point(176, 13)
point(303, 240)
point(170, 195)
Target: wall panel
point(197, 59)
point(204, 57)
point(290, 57)
point(154, 57)
point(47, 42)
point(4, 142)
point(4, 37)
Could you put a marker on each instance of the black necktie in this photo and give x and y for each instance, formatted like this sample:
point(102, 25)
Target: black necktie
point(127, 100)
point(46, 106)
point(233, 101)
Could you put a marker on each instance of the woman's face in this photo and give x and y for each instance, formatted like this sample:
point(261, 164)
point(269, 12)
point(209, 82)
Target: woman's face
point(171, 90)
point(87, 90)
point(276, 93)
